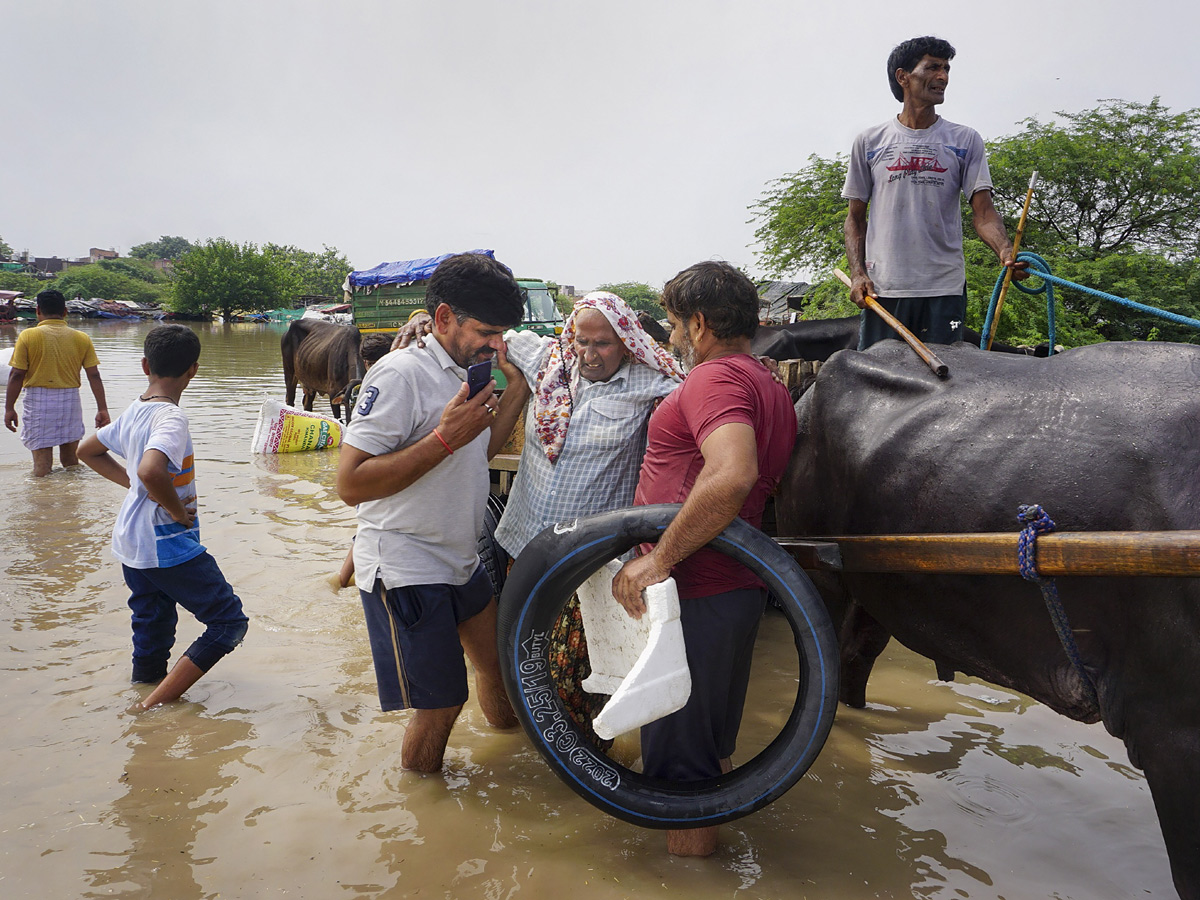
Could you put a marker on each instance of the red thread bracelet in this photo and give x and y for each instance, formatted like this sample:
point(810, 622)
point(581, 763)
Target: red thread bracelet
point(443, 440)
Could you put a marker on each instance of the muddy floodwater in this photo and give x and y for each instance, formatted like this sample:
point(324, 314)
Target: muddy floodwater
point(278, 775)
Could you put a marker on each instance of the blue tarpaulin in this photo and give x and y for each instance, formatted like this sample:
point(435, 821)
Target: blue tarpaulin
point(404, 271)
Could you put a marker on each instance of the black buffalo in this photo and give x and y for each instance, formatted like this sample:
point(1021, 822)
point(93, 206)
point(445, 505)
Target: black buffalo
point(1105, 438)
point(819, 339)
point(811, 339)
point(323, 358)
point(651, 326)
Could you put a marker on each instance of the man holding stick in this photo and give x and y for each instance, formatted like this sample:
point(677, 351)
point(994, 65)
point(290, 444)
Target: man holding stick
point(910, 170)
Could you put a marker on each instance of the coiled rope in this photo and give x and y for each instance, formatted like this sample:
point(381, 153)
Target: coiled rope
point(1036, 522)
point(1040, 268)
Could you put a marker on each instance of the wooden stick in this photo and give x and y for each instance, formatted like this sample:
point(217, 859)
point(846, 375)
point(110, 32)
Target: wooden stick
point(1008, 271)
point(1144, 553)
point(940, 369)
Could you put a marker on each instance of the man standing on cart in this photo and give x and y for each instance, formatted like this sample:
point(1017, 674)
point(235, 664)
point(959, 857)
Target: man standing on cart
point(910, 171)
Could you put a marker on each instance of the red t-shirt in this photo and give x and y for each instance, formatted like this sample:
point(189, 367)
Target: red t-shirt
point(729, 389)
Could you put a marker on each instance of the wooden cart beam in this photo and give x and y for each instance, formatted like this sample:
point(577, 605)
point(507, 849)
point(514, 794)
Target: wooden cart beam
point(1144, 553)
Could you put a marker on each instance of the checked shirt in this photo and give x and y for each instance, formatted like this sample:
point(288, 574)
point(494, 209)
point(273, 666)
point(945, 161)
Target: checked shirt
point(601, 458)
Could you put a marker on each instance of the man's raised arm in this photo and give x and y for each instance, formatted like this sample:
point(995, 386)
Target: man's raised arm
point(855, 231)
point(363, 476)
point(729, 474)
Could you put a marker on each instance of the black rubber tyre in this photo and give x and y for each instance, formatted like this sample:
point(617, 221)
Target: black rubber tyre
point(491, 554)
point(545, 575)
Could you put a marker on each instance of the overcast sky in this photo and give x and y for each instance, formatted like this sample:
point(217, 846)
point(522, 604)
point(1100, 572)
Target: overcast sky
point(583, 142)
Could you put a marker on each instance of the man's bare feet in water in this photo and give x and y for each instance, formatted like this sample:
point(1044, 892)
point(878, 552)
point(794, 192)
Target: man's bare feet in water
point(493, 700)
point(692, 842)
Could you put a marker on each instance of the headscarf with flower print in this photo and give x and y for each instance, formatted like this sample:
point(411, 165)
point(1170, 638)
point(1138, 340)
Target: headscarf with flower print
point(558, 375)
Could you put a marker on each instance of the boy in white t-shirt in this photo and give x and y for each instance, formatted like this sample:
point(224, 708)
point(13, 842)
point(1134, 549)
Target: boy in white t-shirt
point(157, 535)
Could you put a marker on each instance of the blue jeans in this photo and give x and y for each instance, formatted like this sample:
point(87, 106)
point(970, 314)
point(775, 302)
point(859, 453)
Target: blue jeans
point(199, 587)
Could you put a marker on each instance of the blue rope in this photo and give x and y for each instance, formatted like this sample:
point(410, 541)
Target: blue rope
point(1041, 269)
point(1036, 522)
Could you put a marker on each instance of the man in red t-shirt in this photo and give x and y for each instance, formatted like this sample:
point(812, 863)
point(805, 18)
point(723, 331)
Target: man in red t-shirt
point(719, 444)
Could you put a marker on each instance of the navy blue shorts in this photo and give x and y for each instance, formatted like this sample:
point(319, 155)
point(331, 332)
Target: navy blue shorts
point(414, 640)
point(719, 633)
point(935, 320)
point(199, 587)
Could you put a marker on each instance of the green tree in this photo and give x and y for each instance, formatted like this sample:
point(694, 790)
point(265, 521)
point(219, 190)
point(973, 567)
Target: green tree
point(223, 276)
point(800, 219)
point(1146, 277)
point(1123, 176)
point(166, 247)
point(137, 269)
point(19, 281)
point(304, 272)
point(5, 250)
point(639, 296)
point(1117, 208)
point(96, 280)
point(800, 229)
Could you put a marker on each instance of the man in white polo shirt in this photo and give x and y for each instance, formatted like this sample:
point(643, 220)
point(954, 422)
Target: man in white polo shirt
point(414, 460)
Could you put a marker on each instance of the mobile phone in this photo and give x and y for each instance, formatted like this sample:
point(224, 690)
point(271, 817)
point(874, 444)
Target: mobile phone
point(479, 376)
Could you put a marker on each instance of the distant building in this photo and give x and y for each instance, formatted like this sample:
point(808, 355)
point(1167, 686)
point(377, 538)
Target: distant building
point(778, 300)
point(95, 254)
point(50, 265)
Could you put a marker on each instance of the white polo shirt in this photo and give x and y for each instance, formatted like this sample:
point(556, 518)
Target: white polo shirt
point(428, 532)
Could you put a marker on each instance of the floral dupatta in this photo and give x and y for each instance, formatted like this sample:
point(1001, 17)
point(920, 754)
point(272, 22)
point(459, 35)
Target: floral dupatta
point(552, 396)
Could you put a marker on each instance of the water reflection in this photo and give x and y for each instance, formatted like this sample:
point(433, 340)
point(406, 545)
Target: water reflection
point(48, 551)
point(178, 770)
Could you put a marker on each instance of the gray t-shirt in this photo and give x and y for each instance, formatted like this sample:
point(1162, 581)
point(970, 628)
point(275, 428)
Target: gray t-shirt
point(912, 180)
point(426, 533)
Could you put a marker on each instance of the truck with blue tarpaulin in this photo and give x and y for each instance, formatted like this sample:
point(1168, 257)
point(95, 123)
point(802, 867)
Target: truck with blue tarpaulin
point(384, 297)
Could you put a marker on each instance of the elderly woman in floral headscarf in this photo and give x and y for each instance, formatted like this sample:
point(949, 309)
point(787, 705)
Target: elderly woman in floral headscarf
point(594, 388)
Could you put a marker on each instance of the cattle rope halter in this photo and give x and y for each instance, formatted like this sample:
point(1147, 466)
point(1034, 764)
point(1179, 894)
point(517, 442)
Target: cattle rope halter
point(1036, 522)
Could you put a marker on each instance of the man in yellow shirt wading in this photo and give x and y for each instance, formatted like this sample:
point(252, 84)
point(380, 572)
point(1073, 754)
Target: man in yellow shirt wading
point(46, 363)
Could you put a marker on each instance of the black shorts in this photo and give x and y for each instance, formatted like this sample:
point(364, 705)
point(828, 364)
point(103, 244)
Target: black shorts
point(719, 633)
point(935, 320)
point(414, 640)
